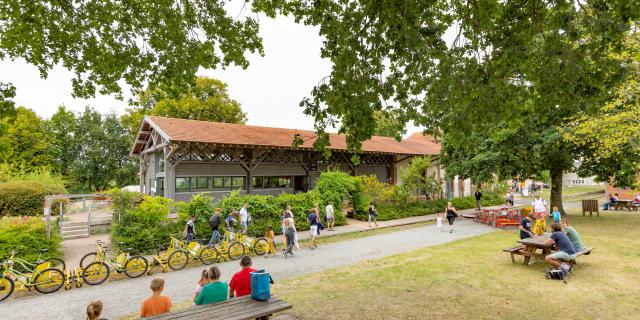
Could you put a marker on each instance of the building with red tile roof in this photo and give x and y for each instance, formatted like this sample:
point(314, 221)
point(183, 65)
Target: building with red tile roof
point(180, 157)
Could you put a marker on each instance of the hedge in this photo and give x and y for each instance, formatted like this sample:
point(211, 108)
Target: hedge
point(389, 212)
point(27, 235)
point(147, 226)
point(26, 198)
point(267, 210)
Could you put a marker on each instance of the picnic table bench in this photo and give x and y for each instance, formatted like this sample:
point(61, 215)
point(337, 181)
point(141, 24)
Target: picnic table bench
point(527, 247)
point(242, 308)
point(623, 204)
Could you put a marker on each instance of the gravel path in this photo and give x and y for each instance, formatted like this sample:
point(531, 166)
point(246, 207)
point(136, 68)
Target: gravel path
point(124, 297)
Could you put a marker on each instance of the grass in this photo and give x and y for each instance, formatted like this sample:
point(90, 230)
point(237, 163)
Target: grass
point(473, 279)
point(574, 193)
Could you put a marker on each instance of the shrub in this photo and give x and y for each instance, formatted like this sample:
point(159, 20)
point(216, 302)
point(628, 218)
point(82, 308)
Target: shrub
point(26, 198)
point(27, 235)
point(122, 200)
point(267, 210)
point(337, 186)
point(388, 212)
point(147, 226)
point(200, 206)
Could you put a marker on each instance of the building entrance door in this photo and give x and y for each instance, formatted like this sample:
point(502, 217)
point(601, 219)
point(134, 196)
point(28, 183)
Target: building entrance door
point(298, 184)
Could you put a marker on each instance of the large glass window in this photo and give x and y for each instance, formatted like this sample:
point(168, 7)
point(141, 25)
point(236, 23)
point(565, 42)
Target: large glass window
point(199, 183)
point(182, 184)
point(217, 182)
point(258, 182)
point(272, 182)
point(160, 186)
point(237, 182)
point(159, 161)
point(227, 182)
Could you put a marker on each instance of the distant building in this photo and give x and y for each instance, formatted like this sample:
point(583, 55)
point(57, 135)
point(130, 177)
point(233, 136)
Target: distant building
point(180, 158)
point(572, 179)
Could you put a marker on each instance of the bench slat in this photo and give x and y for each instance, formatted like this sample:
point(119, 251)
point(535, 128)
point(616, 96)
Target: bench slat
point(514, 248)
point(236, 308)
point(237, 312)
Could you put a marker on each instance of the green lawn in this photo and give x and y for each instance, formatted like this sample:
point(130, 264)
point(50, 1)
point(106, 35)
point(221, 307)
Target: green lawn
point(575, 193)
point(473, 279)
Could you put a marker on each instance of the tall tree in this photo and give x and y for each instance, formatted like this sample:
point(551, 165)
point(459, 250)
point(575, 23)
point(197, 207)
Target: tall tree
point(208, 101)
point(29, 141)
point(7, 110)
point(62, 127)
point(389, 125)
point(159, 43)
point(500, 93)
point(608, 141)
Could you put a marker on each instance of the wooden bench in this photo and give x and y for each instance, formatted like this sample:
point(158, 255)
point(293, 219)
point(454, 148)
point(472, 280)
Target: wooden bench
point(242, 308)
point(517, 249)
point(585, 251)
point(591, 206)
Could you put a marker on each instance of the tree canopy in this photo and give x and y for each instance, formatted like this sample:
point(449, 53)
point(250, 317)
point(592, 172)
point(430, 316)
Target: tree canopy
point(207, 101)
point(149, 42)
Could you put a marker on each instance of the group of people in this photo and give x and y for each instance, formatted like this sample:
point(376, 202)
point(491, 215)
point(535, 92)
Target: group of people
point(565, 238)
point(209, 289)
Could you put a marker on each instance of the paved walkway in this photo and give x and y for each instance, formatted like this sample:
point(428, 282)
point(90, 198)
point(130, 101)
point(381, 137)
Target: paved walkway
point(124, 297)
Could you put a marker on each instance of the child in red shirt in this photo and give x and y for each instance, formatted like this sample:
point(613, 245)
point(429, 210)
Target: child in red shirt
point(240, 284)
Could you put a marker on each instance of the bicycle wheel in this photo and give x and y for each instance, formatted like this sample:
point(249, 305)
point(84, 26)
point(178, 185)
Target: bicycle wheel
point(49, 280)
point(6, 288)
point(236, 251)
point(95, 273)
point(208, 255)
point(56, 263)
point(178, 260)
point(260, 246)
point(87, 259)
point(136, 266)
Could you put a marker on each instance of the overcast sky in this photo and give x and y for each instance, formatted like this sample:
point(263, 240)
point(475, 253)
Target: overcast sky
point(269, 90)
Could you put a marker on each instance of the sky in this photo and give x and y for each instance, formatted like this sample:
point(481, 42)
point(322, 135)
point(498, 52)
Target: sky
point(269, 90)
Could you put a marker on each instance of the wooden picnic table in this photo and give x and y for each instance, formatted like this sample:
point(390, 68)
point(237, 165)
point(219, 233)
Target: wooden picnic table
point(233, 309)
point(535, 243)
point(623, 204)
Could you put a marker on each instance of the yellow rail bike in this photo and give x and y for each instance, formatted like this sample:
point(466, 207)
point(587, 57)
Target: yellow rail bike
point(43, 277)
point(256, 246)
point(179, 253)
point(97, 271)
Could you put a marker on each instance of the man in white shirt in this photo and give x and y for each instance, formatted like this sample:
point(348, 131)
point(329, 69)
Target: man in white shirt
point(330, 216)
point(244, 218)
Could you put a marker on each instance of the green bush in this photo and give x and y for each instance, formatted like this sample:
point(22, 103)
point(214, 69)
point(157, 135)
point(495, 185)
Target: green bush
point(337, 186)
point(202, 207)
point(26, 198)
point(267, 210)
point(122, 200)
point(389, 212)
point(147, 226)
point(27, 235)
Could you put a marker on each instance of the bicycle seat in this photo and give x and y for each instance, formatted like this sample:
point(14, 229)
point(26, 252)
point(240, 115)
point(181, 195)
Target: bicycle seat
point(43, 250)
point(128, 250)
point(121, 243)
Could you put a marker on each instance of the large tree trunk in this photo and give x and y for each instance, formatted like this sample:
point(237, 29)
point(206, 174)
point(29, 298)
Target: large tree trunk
point(556, 189)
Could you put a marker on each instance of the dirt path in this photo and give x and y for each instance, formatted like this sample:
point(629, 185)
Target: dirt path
point(124, 297)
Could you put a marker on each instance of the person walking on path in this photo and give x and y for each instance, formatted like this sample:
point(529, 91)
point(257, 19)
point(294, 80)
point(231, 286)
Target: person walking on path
point(452, 214)
point(244, 217)
point(330, 216)
point(289, 232)
point(478, 196)
point(240, 284)
point(510, 197)
point(313, 227)
point(373, 214)
point(190, 229)
point(286, 213)
point(540, 210)
point(214, 223)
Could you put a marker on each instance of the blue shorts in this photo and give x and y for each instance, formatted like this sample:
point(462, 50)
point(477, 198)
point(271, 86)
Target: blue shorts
point(561, 255)
point(245, 225)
